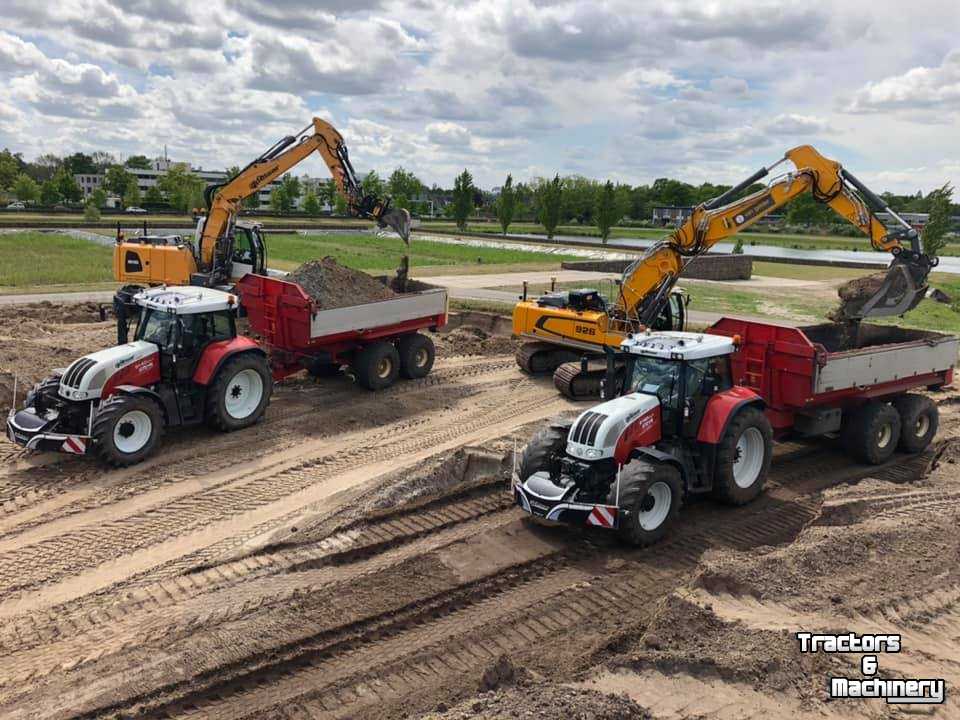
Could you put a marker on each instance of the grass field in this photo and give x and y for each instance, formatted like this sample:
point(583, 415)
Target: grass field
point(382, 254)
point(33, 258)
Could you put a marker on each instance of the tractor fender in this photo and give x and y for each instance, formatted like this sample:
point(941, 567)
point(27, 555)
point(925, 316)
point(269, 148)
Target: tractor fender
point(721, 409)
point(144, 392)
point(217, 353)
point(659, 456)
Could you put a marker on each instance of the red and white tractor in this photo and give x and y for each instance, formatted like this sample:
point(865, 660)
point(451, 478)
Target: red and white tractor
point(697, 413)
point(185, 366)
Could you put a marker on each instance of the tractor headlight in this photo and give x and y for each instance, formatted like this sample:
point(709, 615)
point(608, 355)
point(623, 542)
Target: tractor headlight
point(593, 454)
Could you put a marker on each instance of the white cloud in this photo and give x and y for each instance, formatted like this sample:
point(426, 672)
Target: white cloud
point(919, 87)
point(448, 133)
point(793, 124)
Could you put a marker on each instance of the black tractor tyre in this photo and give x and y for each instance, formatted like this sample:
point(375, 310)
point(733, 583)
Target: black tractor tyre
point(871, 432)
point(119, 421)
point(234, 398)
point(649, 500)
point(377, 366)
point(544, 451)
point(919, 421)
point(744, 454)
point(417, 354)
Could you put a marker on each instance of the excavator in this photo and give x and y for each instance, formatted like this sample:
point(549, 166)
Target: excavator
point(581, 323)
point(227, 249)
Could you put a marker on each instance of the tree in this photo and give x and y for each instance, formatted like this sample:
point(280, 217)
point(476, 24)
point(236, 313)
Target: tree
point(277, 200)
point(339, 204)
point(738, 246)
point(938, 223)
point(9, 169)
point(327, 191)
point(44, 167)
point(290, 185)
point(404, 187)
point(79, 164)
point(131, 195)
point(506, 204)
point(102, 160)
point(153, 196)
point(252, 201)
point(373, 185)
point(311, 206)
point(91, 213)
point(579, 199)
point(607, 212)
point(183, 189)
point(99, 197)
point(67, 185)
point(805, 210)
point(25, 188)
point(138, 162)
point(549, 195)
point(117, 180)
point(49, 193)
point(462, 198)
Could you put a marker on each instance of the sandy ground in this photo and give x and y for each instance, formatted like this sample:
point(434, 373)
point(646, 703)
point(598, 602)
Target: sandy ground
point(356, 555)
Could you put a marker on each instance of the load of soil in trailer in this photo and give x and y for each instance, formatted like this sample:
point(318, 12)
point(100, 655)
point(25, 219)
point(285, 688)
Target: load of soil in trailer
point(837, 337)
point(331, 285)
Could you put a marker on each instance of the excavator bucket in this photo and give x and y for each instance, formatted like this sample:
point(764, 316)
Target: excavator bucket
point(897, 292)
point(398, 220)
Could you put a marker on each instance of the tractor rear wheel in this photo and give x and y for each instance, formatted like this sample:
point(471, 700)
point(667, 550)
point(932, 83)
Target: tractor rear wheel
point(240, 393)
point(377, 366)
point(650, 496)
point(417, 354)
point(126, 429)
point(871, 432)
point(743, 457)
point(544, 451)
point(919, 420)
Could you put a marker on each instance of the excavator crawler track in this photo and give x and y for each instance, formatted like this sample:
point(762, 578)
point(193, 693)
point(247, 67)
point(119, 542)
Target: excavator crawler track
point(575, 384)
point(539, 358)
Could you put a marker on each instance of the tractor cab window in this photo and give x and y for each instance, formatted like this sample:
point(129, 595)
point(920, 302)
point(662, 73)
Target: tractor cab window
point(158, 327)
point(199, 330)
point(655, 376)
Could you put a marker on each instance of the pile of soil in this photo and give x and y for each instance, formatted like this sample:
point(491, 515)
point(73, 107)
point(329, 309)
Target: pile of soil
point(48, 312)
point(331, 285)
point(528, 699)
point(855, 293)
point(469, 340)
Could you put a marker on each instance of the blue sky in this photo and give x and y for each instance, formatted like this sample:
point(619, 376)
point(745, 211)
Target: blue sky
point(631, 91)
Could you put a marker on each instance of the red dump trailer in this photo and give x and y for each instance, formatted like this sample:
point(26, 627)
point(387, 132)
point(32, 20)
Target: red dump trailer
point(378, 340)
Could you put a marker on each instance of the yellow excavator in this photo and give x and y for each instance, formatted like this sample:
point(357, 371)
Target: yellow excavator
point(226, 249)
point(579, 324)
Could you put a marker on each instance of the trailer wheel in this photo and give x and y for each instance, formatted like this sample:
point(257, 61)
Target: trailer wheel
point(240, 393)
point(417, 354)
point(544, 451)
point(871, 432)
point(743, 457)
point(649, 501)
point(377, 365)
point(126, 429)
point(919, 420)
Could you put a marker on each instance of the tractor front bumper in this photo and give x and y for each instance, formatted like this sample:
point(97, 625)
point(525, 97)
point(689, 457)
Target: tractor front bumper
point(27, 429)
point(543, 499)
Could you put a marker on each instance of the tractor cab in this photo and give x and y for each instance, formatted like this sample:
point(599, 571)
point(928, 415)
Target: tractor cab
point(682, 370)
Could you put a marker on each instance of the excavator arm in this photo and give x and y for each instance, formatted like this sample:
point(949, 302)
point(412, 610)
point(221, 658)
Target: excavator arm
point(647, 283)
point(225, 200)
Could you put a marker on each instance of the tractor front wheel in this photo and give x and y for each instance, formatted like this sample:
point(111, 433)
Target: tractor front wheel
point(126, 429)
point(648, 500)
point(743, 457)
point(240, 393)
point(544, 451)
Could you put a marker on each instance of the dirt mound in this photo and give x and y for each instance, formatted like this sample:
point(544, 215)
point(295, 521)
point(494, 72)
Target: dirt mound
point(332, 285)
point(502, 672)
point(469, 340)
point(543, 700)
point(48, 312)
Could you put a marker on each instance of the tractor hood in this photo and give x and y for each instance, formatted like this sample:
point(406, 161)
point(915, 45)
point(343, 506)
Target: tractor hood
point(86, 377)
point(595, 433)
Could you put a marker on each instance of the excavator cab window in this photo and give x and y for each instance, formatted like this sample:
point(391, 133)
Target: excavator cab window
point(586, 299)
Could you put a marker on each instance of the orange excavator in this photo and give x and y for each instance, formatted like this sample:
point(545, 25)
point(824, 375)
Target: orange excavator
point(226, 249)
point(562, 326)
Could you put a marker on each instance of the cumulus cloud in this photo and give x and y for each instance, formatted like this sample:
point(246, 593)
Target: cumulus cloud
point(448, 133)
point(792, 124)
point(919, 87)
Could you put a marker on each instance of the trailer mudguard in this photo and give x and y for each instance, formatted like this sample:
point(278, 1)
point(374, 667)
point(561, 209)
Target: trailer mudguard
point(721, 408)
point(216, 353)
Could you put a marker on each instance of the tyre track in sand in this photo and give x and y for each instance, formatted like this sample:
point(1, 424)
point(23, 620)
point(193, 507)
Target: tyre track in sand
point(234, 507)
point(38, 495)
